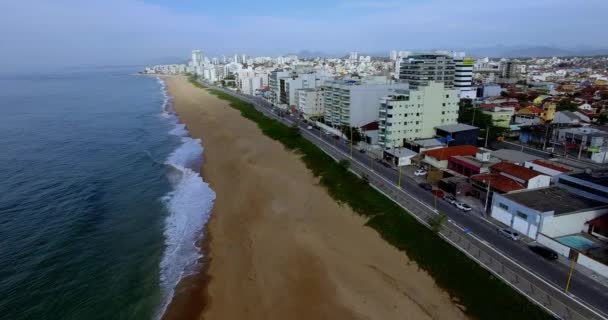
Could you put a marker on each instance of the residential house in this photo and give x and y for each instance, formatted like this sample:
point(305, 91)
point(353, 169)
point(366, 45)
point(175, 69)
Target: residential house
point(527, 177)
point(438, 158)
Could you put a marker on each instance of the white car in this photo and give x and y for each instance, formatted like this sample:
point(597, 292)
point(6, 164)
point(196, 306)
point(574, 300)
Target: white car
point(420, 172)
point(450, 199)
point(508, 233)
point(463, 206)
point(309, 127)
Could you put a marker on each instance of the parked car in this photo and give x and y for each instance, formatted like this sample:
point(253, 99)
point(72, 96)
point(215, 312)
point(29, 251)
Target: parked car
point(309, 127)
point(361, 150)
point(420, 172)
point(438, 193)
point(463, 206)
point(425, 186)
point(544, 252)
point(508, 233)
point(450, 199)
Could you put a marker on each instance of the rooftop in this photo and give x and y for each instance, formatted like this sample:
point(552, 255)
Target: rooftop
point(426, 143)
point(400, 152)
point(474, 161)
point(552, 166)
point(445, 153)
point(553, 199)
point(498, 182)
point(598, 177)
point(513, 156)
point(516, 170)
point(456, 127)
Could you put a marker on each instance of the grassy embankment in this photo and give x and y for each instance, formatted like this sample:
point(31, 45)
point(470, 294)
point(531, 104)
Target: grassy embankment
point(483, 295)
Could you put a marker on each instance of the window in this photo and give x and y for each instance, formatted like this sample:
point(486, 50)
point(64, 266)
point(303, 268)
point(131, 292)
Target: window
point(522, 215)
point(443, 104)
point(503, 206)
point(447, 95)
point(442, 112)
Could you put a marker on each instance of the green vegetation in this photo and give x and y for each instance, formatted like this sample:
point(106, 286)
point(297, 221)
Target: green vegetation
point(566, 105)
point(352, 132)
point(483, 121)
point(437, 222)
point(483, 296)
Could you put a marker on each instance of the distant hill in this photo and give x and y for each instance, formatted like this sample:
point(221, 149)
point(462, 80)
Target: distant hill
point(539, 51)
point(307, 54)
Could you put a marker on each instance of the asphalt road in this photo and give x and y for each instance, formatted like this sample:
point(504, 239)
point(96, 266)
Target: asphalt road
point(587, 299)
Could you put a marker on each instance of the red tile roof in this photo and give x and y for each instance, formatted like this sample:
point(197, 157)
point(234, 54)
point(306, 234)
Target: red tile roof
point(532, 110)
point(515, 170)
point(498, 182)
point(551, 166)
point(445, 153)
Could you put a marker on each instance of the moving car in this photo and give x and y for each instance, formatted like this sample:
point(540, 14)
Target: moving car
point(420, 172)
point(544, 252)
point(309, 127)
point(425, 186)
point(450, 199)
point(508, 233)
point(463, 206)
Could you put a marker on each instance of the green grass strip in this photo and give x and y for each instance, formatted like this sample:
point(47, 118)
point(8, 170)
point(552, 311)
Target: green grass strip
point(483, 295)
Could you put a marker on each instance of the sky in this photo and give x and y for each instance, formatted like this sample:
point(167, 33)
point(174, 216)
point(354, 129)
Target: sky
point(43, 33)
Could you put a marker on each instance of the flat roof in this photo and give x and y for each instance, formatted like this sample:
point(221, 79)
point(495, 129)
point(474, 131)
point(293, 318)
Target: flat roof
point(431, 142)
point(553, 199)
point(401, 152)
point(476, 162)
point(456, 127)
point(597, 178)
point(513, 156)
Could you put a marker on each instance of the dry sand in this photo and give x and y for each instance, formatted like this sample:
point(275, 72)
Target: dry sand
point(280, 247)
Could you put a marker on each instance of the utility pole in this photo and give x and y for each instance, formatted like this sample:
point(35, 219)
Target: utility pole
point(399, 180)
point(487, 195)
point(546, 134)
point(473, 120)
point(574, 259)
point(351, 141)
point(580, 149)
point(487, 135)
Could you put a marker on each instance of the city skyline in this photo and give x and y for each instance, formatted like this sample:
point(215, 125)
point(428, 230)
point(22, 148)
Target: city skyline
point(70, 32)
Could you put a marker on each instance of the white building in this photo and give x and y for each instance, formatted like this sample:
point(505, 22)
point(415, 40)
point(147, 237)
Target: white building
point(355, 102)
point(197, 57)
point(407, 115)
point(463, 75)
point(419, 69)
point(310, 102)
point(249, 85)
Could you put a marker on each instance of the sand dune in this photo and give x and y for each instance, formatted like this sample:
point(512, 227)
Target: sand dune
point(280, 247)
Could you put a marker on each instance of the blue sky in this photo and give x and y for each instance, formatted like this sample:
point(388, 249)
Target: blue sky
point(37, 33)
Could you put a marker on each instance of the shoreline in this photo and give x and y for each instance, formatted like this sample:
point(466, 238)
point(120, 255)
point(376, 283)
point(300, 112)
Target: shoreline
point(299, 255)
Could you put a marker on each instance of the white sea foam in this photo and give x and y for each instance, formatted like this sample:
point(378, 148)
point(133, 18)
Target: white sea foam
point(189, 205)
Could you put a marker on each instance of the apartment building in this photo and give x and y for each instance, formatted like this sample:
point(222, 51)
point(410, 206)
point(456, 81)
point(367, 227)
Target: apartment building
point(354, 102)
point(310, 102)
point(418, 70)
point(413, 114)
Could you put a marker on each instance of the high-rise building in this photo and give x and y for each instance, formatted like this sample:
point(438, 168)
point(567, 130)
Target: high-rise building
point(243, 58)
point(236, 58)
point(413, 114)
point(224, 61)
point(418, 70)
point(353, 56)
point(354, 102)
point(197, 57)
point(463, 75)
point(393, 55)
point(310, 102)
point(509, 72)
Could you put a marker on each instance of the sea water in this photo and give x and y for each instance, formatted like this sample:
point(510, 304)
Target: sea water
point(101, 201)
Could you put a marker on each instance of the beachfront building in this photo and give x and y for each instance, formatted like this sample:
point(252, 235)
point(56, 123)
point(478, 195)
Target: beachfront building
point(407, 115)
point(310, 102)
point(418, 70)
point(273, 83)
point(354, 102)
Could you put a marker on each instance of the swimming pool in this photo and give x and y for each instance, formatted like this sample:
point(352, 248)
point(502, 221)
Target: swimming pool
point(577, 242)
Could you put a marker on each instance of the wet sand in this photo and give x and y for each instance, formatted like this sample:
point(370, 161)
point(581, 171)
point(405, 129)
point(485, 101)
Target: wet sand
point(280, 247)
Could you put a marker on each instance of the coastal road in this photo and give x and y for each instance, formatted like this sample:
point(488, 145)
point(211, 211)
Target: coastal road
point(540, 280)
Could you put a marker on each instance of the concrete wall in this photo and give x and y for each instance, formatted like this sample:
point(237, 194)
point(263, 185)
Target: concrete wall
point(552, 244)
point(541, 169)
point(528, 226)
point(597, 267)
point(439, 164)
point(557, 226)
point(539, 182)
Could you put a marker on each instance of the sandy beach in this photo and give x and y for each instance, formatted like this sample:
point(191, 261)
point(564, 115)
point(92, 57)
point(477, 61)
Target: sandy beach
point(279, 247)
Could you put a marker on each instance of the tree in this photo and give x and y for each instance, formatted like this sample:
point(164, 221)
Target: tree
point(602, 118)
point(344, 164)
point(437, 222)
point(566, 105)
point(356, 134)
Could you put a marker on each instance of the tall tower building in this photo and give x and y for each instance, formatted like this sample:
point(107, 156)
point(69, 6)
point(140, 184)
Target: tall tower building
point(197, 57)
point(463, 72)
point(243, 58)
point(419, 69)
point(393, 55)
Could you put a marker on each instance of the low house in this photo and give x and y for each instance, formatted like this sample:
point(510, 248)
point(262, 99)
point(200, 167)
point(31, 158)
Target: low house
point(458, 134)
point(514, 156)
point(485, 185)
point(593, 185)
point(501, 116)
point(471, 165)
point(421, 145)
point(438, 158)
point(527, 177)
point(399, 156)
point(547, 167)
point(552, 211)
point(569, 117)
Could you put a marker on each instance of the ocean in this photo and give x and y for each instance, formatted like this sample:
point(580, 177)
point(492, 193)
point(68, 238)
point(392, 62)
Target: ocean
point(101, 201)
